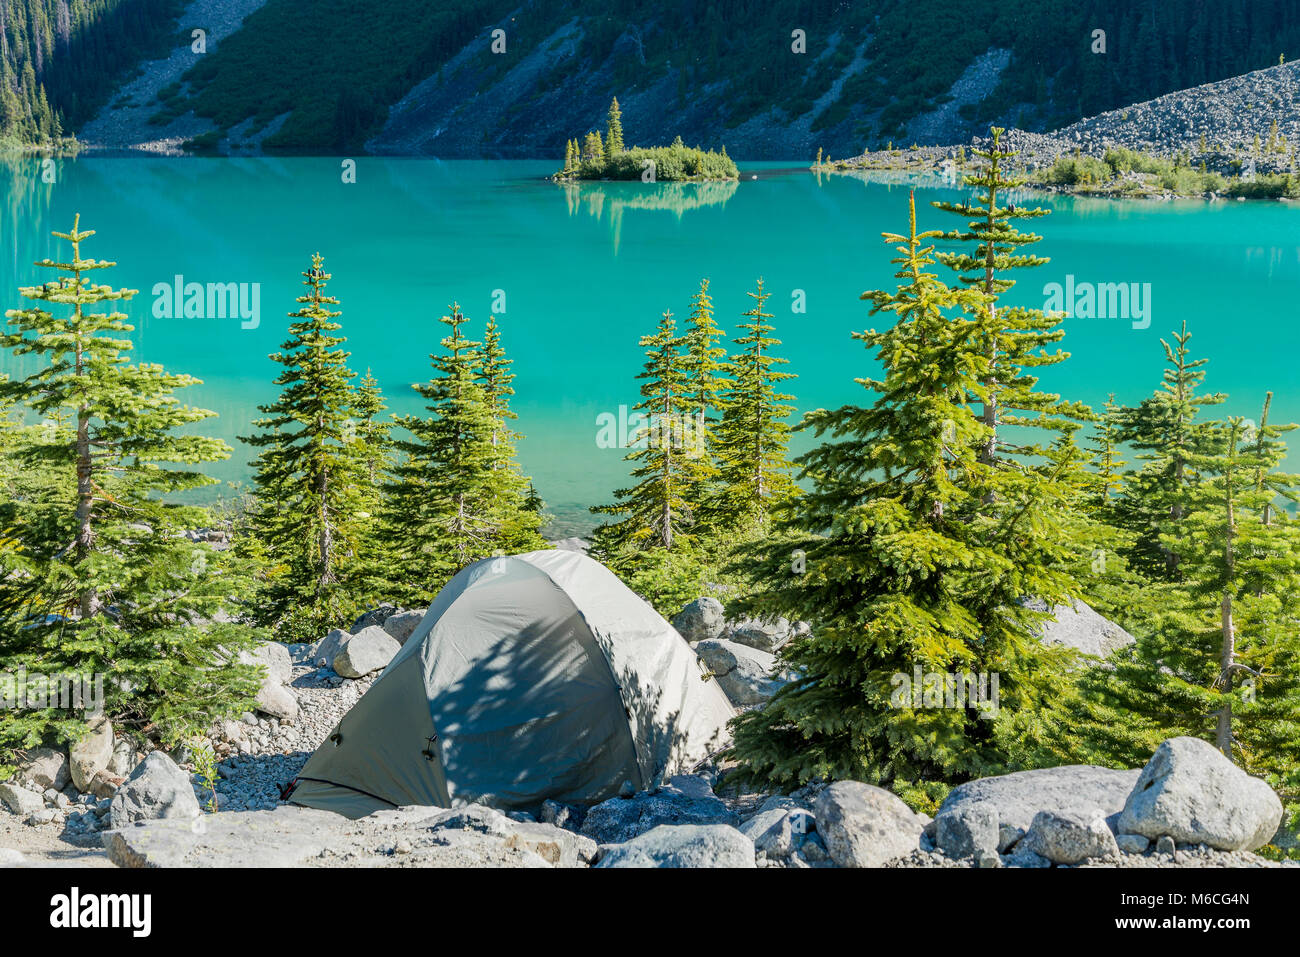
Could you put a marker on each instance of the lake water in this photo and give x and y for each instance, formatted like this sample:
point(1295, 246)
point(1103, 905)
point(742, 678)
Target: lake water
point(583, 271)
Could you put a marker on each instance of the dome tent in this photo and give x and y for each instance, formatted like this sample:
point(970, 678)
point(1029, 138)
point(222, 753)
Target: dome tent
point(530, 677)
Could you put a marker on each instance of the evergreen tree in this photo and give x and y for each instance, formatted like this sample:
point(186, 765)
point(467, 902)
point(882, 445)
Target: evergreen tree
point(311, 476)
point(441, 512)
point(752, 437)
point(1164, 431)
point(513, 494)
point(902, 563)
point(371, 430)
point(99, 577)
point(613, 131)
point(704, 364)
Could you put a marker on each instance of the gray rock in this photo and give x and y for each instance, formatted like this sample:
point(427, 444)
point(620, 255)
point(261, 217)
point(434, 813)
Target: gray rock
point(743, 673)
point(968, 830)
point(567, 816)
point(1166, 845)
point(772, 832)
point(866, 826)
point(369, 650)
point(1081, 628)
point(1019, 796)
point(328, 647)
point(45, 768)
point(683, 800)
point(285, 837)
point(1192, 793)
point(374, 617)
point(401, 624)
point(125, 759)
point(19, 800)
point(156, 790)
point(766, 636)
point(91, 753)
point(1023, 857)
point(700, 620)
point(1070, 837)
point(272, 656)
point(277, 700)
point(1132, 843)
point(555, 845)
point(682, 845)
point(43, 816)
point(105, 784)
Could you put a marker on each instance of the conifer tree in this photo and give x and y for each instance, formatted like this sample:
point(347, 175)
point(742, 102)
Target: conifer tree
point(704, 364)
point(441, 511)
point(100, 577)
point(568, 155)
point(514, 496)
point(1016, 339)
point(752, 437)
point(1167, 437)
point(371, 430)
point(307, 520)
point(902, 564)
point(655, 511)
point(613, 131)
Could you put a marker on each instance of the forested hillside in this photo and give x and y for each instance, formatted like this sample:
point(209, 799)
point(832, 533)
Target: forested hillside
point(60, 60)
point(411, 77)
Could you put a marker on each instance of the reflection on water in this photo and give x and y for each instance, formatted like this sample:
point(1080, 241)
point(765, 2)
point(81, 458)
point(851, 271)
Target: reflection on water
point(675, 198)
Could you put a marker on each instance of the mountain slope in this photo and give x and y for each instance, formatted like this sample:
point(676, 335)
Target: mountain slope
point(407, 77)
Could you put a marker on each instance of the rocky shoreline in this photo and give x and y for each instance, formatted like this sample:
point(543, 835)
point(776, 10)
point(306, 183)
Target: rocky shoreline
point(104, 802)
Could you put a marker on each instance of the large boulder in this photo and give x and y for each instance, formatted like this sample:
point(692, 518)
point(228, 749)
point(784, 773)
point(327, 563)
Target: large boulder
point(91, 753)
point(19, 800)
point(156, 790)
point(777, 831)
point(866, 826)
point(1018, 797)
point(369, 650)
point(44, 768)
point(766, 636)
point(685, 799)
point(967, 830)
point(403, 623)
point(329, 646)
point(682, 845)
point(1081, 628)
point(743, 673)
point(272, 656)
point(700, 620)
point(293, 836)
point(277, 701)
point(1192, 793)
point(1070, 837)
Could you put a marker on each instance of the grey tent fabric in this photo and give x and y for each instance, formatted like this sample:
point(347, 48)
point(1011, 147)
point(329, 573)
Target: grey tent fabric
point(530, 677)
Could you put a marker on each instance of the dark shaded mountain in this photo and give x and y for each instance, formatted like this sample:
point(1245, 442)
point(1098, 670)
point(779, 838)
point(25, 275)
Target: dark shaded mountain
point(407, 77)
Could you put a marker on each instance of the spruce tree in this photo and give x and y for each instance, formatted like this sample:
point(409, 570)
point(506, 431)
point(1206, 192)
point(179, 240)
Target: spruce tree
point(308, 519)
point(752, 437)
point(704, 364)
point(1016, 339)
point(613, 131)
point(441, 512)
point(100, 577)
point(513, 495)
point(902, 563)
point(655, 511)
point(1164, 431)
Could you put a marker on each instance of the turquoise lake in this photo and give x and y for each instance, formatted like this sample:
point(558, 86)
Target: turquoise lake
point(584, 271)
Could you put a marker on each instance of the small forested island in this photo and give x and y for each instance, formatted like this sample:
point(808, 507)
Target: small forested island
point(597, 157)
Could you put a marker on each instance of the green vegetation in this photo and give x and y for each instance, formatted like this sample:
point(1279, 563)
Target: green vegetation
point(338, 71)
point(96, 575)
point(1127, 172)
point(62, 59)
point(310, 522)
point(605, 158)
